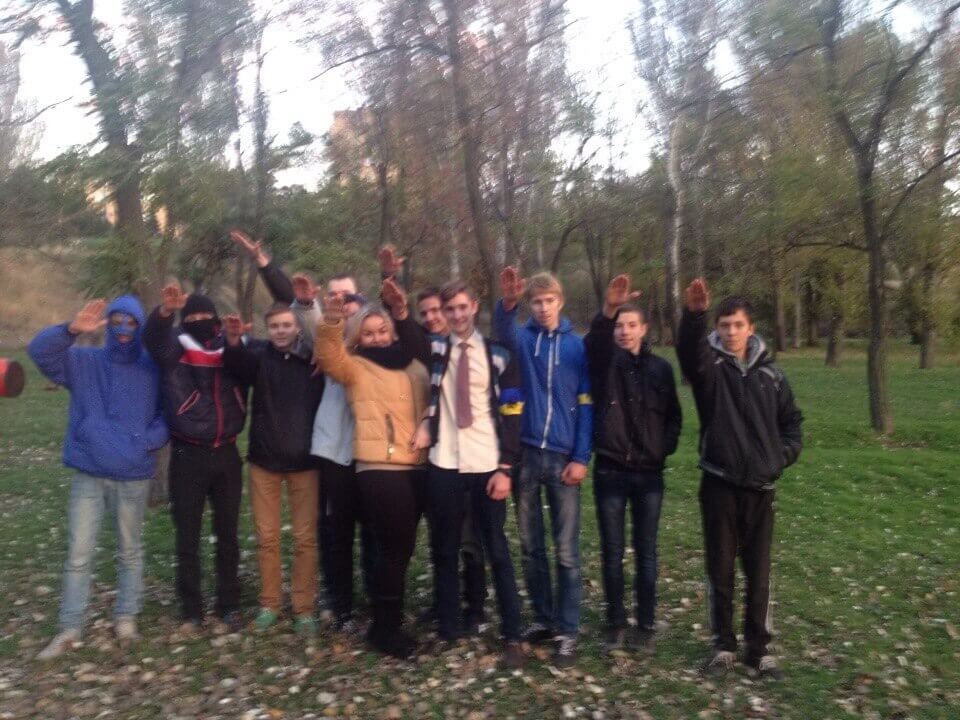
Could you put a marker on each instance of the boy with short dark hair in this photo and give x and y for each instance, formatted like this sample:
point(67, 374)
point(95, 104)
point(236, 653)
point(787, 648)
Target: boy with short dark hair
point(749, 433)
point(636, 427)
point(286, 393)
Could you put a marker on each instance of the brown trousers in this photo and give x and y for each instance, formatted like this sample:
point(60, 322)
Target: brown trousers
point(302, 493)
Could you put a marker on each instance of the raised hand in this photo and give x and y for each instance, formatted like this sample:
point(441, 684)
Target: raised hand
point(172, 299)
point(618, 294)
point(394, 298)
point(304, 288)
point(333, 308)
point(499, 485)
point(252, 248)
point(234, 328)
point(698, 296)
point(390, 262)
point(89, 318)
point(511, 287)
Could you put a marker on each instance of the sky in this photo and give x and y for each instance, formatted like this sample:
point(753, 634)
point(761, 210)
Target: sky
point(599, 53)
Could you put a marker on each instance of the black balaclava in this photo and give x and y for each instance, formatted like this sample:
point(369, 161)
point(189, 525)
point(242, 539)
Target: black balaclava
point(203, 331)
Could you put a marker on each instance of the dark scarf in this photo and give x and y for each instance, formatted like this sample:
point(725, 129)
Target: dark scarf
point(392, 357)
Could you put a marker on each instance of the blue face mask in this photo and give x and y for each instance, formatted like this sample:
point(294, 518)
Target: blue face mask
point(123, 337)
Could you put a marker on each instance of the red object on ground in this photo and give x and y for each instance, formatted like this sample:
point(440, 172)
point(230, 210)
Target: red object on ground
point(11, 378)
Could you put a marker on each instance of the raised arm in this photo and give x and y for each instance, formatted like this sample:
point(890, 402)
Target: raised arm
point(410, 335)
point(239, 361)
point(693, 350)
point(50, 349)
point(158, 333)
point(329, 352)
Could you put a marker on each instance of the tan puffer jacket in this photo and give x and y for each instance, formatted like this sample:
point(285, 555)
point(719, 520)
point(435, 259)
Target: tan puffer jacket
point(387, 404)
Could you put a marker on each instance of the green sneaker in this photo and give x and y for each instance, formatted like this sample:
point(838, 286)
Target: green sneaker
point(305, 625)
point(265, 619)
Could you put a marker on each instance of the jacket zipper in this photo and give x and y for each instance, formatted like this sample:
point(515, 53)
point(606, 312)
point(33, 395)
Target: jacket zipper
point(546, 424)
point(218, 407)
point(390, 438)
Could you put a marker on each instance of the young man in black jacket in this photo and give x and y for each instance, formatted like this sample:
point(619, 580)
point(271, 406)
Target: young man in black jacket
point(286, 394)
point(206, 410)
point(749, 432)
point(636, 425)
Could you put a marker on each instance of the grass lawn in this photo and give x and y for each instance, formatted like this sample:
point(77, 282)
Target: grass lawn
point(866, 589)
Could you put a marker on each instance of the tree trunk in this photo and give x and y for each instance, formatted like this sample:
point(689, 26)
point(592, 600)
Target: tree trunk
point(779, 310)
point(881, 418)
point(470, 147)
point(837, 329)
point(813, 320)
point(797, 311)
point(927, 324)
point(674, 235)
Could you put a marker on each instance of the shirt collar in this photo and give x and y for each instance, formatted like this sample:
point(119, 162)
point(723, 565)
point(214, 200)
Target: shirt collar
point(474, 341)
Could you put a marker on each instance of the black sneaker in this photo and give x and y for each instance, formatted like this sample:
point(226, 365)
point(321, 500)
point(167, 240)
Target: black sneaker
point(614, 640)
point(537, 634)
point(765, 667)
point(642, 640)
point(345, 624)
point(565, 656)
point(395, 643)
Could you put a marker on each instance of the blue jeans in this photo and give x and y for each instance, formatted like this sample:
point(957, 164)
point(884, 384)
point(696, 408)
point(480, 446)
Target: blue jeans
point(126, 501)
point(613, 489)
point(542, 468)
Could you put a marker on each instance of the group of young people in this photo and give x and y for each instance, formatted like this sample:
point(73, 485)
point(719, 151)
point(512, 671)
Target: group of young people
point(373, 420)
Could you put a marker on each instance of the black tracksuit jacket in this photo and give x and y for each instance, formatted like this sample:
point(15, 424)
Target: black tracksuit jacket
point(749, 422)
point(636, 412)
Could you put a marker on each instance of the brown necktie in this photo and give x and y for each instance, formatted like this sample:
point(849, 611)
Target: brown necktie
point(464, 413)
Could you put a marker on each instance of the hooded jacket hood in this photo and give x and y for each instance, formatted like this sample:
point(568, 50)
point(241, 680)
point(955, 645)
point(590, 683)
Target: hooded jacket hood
point(130, 351)
point(756, 349)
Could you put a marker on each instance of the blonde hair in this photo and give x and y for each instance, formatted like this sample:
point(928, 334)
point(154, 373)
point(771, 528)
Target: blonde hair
point(351, 332)
point(543, 283)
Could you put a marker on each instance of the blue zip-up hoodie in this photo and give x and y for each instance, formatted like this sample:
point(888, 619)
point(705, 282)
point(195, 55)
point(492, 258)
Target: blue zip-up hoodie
point(557, 411)
point(115, 422)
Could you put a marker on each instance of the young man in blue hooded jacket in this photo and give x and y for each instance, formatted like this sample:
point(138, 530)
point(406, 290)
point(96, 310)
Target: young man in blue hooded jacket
point(556, 431)
point(115, 428)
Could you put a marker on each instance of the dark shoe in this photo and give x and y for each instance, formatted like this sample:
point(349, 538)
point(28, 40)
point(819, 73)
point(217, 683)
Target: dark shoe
point(472, 623)
point(765, 668)
point(390, 641)
point(614, 640)
point(344, 624)
point(513, 657)
point(565, 656)
point(537, 634)
point(719, 664)
point(643, 640)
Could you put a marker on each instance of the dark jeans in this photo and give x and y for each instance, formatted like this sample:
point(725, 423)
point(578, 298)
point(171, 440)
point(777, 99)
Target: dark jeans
point(449, 494)
point(613, 489)
point(340, 513)
point(737, 521)
point(471, 553)
point(389, 499)
point(542, 468)
point(196, 475)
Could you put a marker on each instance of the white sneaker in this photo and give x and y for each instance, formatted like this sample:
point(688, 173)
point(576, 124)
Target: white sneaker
point(64, 641)
point(126, 629)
